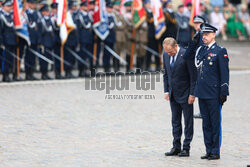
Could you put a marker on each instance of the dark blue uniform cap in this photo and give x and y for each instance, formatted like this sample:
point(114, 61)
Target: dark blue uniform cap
point(44, 8)
point(7, 3)
point(92, 2)
point(199, 19)
point(54, 5)
point(71, 4)
point(43, 2)
point(205, 27)
point(109, 5)
point(31, 1)
point(84, 3)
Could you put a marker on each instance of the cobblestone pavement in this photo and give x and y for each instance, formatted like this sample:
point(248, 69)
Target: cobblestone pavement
point(60, 124)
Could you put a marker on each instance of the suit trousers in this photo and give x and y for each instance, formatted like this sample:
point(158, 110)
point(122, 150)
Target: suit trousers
point(177, 110)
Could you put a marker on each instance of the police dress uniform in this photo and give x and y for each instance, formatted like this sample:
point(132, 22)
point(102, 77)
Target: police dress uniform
point(57, 44)
point(109, 41)
point(30, 58)
point(212, 88)
point(8, 40)
point(1, 51)
point(47, 41)
point(86, 38)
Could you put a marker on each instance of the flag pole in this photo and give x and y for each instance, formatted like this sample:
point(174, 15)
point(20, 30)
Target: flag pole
point(62, 57)
point(133, 43)
point(18, 57)
point(95, 50)
point(132, 50)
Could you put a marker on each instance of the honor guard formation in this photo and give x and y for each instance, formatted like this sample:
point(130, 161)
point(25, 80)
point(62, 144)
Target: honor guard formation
point(125, 36)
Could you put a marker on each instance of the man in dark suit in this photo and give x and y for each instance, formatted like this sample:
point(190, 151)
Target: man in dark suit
point(179, 83)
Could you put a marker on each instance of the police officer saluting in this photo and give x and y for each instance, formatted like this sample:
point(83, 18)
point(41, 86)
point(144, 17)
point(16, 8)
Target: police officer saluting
point(196, 43)
point(212, 88)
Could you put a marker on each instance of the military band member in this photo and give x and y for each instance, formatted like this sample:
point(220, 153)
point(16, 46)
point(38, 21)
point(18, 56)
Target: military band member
point(212, 88)
point(8, 40)
point(47, 40)
point(86, 38)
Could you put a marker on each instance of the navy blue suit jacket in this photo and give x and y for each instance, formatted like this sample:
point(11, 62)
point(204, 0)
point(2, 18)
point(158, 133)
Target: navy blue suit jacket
point(180, 82)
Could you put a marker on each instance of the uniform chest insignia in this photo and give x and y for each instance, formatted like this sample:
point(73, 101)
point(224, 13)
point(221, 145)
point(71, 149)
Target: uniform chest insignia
point(210, 63)
point(212, 54)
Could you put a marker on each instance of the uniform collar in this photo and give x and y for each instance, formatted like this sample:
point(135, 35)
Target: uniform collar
point(84, 12)
point(31, 10)
point(210, 45)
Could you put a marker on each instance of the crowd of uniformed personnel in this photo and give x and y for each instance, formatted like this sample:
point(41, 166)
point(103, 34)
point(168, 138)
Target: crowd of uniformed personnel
point(44, 36)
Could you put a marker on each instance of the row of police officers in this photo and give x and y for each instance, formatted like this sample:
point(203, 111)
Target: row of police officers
point(82, 43)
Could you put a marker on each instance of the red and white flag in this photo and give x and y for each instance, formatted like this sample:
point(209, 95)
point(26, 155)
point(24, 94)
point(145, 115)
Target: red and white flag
point(64, 20)
point(195, 11)
point(159, 19)
point(100, 19)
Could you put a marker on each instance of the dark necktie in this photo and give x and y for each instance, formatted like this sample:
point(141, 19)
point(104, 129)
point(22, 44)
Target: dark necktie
point(172, 64)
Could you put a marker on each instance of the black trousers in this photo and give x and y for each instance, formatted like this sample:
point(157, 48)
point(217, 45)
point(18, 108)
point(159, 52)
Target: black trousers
point(152, 44)
point(211, 124)
point(177, 110)
point(30, 59)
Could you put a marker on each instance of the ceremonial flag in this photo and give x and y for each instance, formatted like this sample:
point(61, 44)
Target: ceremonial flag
point(159, 20)
point(195, 11)
point(100, 19)
point(139, 14)
point(20, 22)
point(64, 20)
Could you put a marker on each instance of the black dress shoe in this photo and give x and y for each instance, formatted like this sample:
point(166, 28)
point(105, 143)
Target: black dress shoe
point(6, 78)
point(46, 77)
point(69, 75)
point(184, 153)
point(197, 115)
point(206, 156)
point(59, 76)
point(15, 78)
point(174, 151)
point(31, 78)
point(214, 157)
